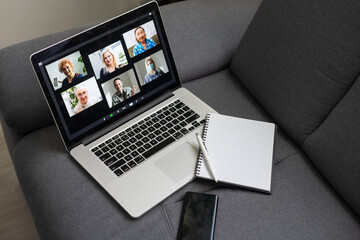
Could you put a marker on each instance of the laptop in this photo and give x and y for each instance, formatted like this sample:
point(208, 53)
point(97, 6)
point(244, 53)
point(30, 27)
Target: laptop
point(118, 104)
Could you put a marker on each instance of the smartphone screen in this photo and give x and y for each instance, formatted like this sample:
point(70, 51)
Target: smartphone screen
point(198, 216)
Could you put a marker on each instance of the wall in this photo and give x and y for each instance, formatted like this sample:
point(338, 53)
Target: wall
point(22, 20)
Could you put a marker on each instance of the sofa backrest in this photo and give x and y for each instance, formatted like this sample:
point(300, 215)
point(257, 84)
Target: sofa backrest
point(301, 61)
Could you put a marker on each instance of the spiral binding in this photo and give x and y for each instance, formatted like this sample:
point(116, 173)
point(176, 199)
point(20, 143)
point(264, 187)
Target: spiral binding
point(199, 161)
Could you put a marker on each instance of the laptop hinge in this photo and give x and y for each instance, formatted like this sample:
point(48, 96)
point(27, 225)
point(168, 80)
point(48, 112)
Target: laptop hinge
point(127, 118)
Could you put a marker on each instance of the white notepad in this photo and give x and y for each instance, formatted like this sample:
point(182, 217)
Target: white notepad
point(241, 151)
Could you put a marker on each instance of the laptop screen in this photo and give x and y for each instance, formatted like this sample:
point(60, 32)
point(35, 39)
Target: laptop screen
point(99, 76)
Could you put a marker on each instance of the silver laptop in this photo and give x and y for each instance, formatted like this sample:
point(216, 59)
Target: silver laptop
point(117, 101)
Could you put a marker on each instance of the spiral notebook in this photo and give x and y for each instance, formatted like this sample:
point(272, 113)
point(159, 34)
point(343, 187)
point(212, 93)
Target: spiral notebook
point(241, 151)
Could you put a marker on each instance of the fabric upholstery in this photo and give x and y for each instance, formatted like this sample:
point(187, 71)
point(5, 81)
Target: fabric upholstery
point(334, 147)
point(299, 58)
point(201, 42)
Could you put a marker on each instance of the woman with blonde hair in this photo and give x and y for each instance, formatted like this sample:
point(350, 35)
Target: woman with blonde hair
point(109, 60)
point(66, 67)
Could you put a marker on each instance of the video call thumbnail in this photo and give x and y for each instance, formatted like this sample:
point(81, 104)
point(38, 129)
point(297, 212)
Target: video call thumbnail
point(141, 38)
point(81, 96)
point(66, 71)
point(152, 67)
point(120, 88)
point(108, 59)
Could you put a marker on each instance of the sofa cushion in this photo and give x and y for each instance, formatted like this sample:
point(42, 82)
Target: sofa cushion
point(67, 203)
point(335, 147)
point(202, 42)
point(298, 58)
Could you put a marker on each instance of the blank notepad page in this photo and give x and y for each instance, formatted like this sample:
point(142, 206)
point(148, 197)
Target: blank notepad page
point(241, 151)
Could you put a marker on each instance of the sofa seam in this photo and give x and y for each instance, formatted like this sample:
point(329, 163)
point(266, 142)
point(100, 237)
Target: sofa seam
point(167, 222)
point(330, 112)
point(289, 156)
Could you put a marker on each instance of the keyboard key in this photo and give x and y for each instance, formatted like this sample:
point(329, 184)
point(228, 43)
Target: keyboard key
point(184, 131)
point(159, 138)
point(95, 149)
point(113, 151)
point(153, 142)
point(127, 158)
point(110, 161)
point(120, 148)
point(177, 135)
point(126, 151)
point(192, 118)
point(124, 137)
point(139, 159)
point(98, 153)
point(105, 156)
point(117, 164)
point(132, 164)
point(105, 149)
point(158, 147)
point(118, 172)
point(141, 149)
point(120, 155)
point(125, 168)
point(134, 154)
point(111, 145)
point(195, 124)
point(139, 136)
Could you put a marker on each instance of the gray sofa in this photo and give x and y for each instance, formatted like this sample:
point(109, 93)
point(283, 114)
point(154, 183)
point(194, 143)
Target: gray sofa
point(295, 63)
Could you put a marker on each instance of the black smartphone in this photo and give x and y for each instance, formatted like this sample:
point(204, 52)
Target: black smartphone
point(198, 216)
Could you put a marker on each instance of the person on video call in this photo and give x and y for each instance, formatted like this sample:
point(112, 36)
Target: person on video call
point(84, 101)
point(143, 42)
point(109, 60)
point(66, 67)
point(121, 94)
point(152, 71)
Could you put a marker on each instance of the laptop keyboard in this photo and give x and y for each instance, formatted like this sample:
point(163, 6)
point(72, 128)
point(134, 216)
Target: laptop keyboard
point(138, 142)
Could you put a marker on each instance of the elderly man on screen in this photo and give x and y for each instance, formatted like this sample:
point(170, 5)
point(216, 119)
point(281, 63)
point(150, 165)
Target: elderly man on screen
point(84, 101)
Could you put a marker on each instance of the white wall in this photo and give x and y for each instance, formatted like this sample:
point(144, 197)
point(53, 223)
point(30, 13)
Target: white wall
point(22, 20)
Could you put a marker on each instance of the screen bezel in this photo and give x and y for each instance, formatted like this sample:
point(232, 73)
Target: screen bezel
point(97, 31)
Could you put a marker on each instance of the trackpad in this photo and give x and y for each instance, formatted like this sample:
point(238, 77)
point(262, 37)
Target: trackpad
point(178, 163)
